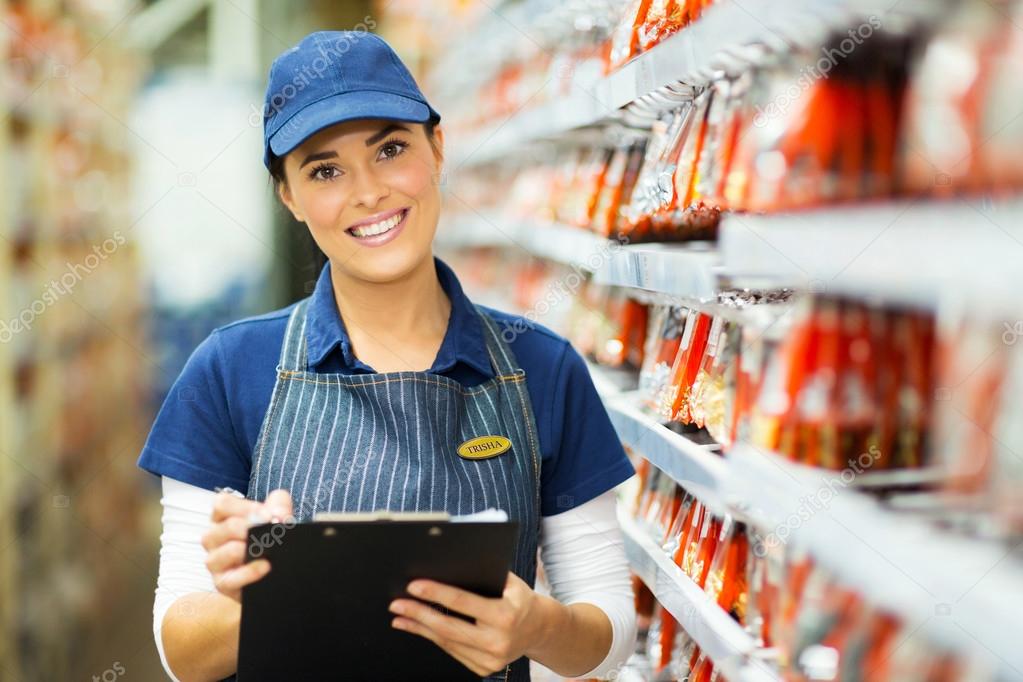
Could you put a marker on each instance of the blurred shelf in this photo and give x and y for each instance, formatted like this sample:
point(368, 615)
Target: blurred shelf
point(696, 466)
point(728, 645)
point(687, 271)
point(730, 36)
point(961, 591)
point(553, 241)
point(923, 252)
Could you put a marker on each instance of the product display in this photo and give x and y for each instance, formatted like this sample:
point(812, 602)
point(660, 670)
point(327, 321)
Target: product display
point(888, 418)
point(74, 401)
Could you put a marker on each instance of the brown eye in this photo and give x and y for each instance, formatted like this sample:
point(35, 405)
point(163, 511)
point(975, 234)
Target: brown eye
point(324, 172)
point(392, 148)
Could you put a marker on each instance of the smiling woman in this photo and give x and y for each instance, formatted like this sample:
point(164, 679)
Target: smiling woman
point(387, 389)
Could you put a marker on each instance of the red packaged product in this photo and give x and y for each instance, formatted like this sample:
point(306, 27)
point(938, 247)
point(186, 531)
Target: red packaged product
point(690, 545)
point(706, 546)
point(726, 581)
point(625, 39)
point(687, 364)
point(857, 408)
point(663, 18)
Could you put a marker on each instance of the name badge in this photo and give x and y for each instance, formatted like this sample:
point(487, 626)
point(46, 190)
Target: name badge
point(483, 447)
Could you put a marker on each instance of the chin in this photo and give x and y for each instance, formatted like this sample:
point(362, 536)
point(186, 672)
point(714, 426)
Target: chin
point(385, 265)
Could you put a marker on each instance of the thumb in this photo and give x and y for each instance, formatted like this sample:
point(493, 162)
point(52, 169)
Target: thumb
point(278, 504)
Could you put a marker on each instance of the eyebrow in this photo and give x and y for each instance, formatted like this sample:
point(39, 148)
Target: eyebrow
point(318, 156)
point(371, 140)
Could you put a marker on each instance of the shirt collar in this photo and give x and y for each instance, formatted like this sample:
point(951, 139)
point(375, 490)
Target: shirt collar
point(463, 340)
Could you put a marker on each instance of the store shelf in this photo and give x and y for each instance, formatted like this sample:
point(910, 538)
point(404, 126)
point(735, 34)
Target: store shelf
point(730, 36)
point(960, 591)
point(695, 466)
point(686, 271)
point(689, 271)
point(552, 241)
point(728, 645)
point(922, 252)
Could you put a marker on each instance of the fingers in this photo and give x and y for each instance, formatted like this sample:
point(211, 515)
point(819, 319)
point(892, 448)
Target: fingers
point(480, 662)
point(453, 598)
point(225, 506)
point(448, 627)
point(278, 504)
point(230, 583)
point(227, 556)
point(232, 528)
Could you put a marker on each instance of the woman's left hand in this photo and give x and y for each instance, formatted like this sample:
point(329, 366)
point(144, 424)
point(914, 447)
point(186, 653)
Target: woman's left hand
point(505, 628)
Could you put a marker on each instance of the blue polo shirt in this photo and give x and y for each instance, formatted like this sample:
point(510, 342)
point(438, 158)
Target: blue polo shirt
point(207, 428)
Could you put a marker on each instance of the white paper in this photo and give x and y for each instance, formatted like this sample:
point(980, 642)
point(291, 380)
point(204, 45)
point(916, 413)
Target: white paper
point(486, 516)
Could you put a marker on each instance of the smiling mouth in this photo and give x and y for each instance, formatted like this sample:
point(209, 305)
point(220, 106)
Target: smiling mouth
point(378, 228)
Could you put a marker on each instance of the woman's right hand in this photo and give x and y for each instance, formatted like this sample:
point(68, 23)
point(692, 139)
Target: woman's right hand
point(225, 542)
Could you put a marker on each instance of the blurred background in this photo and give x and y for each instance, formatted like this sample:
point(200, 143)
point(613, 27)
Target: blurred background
point(786, 235)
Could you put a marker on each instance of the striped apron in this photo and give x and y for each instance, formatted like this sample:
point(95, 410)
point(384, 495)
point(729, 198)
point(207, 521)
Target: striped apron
point(367, 442)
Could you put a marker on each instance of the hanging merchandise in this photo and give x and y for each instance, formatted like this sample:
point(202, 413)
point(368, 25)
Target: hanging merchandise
point(766, 373)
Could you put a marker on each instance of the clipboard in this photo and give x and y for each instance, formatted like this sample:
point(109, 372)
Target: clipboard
point(322, 613)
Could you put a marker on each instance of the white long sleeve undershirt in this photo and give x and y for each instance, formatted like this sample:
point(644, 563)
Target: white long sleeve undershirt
point(581, 549)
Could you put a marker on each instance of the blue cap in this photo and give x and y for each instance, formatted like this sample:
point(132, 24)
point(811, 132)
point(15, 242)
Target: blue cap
point(336, 76)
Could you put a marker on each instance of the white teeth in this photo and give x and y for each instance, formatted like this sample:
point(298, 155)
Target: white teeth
point(378, 228)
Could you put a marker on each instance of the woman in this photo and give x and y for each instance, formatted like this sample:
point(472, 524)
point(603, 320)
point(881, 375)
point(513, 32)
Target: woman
point(357, 398)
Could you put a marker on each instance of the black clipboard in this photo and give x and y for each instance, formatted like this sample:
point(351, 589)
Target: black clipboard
point(322, 613)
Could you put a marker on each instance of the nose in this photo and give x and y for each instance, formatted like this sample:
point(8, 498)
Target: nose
point(369, 190)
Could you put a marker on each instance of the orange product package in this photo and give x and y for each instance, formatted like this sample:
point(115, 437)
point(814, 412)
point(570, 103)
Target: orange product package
point(625, 39)
point(702, 389)
point(618, 224)
point(663, 18)
point(726, 581)
point(688, 549)
point(686, 176)
point(663, 341)
point(707, 545)
point(610, 193)
point(687, 364)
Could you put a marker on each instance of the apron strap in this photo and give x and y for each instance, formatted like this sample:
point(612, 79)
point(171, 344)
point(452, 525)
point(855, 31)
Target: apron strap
point(500, 354)
point(293, 350)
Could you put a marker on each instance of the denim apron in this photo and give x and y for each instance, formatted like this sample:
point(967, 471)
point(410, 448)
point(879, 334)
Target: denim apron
point(366, 442)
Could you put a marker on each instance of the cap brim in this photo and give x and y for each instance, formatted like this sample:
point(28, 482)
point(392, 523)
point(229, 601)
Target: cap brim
point(348, 106)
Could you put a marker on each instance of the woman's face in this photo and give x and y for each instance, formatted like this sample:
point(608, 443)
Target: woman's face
point(367, 190)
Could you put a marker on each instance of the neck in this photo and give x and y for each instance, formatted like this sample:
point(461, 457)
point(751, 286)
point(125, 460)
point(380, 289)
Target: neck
point(405, 320)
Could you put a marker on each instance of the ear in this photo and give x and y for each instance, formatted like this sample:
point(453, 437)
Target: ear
point(438, 135)
point(284, 192)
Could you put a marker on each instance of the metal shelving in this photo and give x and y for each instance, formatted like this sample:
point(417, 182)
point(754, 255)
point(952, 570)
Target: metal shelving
point(687, 271)
point(919, 252)
point(729, 37)
point(961, 591)
point(695, 465)
point(730, 647)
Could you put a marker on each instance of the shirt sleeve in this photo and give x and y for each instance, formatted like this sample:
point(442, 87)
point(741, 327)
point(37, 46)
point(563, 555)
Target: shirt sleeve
point(584, 559)
point(193, 439)
point(186, 516)
point(590, 459)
